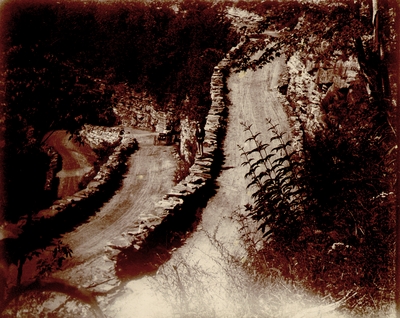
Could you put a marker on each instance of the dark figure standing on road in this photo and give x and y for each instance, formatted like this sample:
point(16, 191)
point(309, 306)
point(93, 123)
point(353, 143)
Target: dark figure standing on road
point(200, 133)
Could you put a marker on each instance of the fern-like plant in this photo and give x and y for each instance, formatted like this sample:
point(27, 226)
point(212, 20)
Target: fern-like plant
point(274, 171)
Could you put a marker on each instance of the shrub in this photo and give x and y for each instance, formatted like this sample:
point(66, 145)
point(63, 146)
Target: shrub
point(328, 214)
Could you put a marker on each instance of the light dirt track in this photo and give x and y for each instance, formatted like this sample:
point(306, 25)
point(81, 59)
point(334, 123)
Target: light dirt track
point(77, 160)
point(149, 177)
point(254, 97)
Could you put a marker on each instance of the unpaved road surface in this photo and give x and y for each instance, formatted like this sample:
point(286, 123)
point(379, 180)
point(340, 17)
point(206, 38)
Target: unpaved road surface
point(149, 177)
point(76, 161)
point(197, 271)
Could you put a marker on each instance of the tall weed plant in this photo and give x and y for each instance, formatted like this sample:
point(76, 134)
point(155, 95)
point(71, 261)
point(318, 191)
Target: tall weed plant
point(274, 170)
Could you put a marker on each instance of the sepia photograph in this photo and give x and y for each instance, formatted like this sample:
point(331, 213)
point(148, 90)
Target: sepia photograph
point(199, 159)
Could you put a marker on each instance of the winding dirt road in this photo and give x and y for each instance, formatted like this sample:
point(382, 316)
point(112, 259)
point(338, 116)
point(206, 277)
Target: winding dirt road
point(254, 97)
point(77, 160)
point(149, 177)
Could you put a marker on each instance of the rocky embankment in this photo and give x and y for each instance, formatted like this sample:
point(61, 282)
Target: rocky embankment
point(135, 109)
point(306, 83)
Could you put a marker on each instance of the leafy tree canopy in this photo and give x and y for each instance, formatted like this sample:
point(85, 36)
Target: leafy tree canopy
point(63, 59)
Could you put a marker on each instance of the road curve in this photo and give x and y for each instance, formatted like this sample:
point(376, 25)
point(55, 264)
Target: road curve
point(76, 161)
point(254, 97)
point(149, 177)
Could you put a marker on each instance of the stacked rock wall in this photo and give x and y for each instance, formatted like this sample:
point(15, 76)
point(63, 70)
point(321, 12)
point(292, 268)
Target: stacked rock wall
point(54, 167)
point(99, 136)
point(190, 193)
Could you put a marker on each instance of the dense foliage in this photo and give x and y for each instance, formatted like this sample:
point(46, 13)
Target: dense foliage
point(63, 58)
point(321, 29)
point(330, 222)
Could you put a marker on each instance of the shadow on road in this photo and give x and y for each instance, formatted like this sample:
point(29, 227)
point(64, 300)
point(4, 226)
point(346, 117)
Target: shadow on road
point(171, 234)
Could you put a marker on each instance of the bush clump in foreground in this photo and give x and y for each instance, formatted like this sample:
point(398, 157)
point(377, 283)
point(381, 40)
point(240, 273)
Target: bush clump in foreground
point(327, 215)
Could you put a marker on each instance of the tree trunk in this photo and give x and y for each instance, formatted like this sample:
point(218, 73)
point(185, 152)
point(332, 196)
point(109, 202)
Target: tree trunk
point(375, 23)
point(397, 271)
point(20, 267)
point(378, 58)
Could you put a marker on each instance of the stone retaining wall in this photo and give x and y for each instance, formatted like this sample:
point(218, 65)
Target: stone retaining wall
point(189, 193)
point(54, 167)
point(99, 136)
